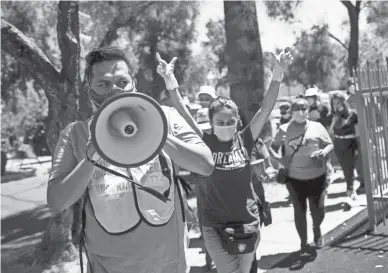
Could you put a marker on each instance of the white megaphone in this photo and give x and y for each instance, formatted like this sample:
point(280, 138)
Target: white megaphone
point(129, 130)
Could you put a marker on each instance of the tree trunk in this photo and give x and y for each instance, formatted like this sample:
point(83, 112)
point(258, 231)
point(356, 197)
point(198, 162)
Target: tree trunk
point(245, 56)
point(57, 243)
point(157, 81)
point(354, 13)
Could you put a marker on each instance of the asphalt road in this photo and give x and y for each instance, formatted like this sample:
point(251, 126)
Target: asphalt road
point(360, 252)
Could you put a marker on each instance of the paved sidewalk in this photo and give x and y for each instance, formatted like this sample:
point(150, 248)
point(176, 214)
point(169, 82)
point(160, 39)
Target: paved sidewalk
point(278, 240)
point(281, 239)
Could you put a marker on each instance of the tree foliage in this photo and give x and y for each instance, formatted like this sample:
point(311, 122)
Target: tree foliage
point(283, 10)
point(378, 17)
point(317, 61)
point(286, 10)
point(167, 28)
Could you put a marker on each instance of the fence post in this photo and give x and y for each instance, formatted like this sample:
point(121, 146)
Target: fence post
point(364, 138)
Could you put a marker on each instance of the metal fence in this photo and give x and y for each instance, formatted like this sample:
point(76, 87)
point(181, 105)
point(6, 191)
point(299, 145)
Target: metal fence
point(372, 108)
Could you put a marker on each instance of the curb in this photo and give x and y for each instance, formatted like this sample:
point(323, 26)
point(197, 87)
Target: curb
point(339, 233)
point(342, 231)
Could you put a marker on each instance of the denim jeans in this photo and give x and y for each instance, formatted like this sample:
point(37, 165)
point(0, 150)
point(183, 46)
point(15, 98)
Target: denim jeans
point(225, 262)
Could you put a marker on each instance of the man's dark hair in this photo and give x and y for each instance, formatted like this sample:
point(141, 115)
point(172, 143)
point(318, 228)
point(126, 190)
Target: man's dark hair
point(101, 55)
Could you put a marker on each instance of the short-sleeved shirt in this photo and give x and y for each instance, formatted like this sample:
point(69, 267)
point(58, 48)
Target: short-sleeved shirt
point(346, 125)
point(230, 196)
point(316, 137)
point(146, 249)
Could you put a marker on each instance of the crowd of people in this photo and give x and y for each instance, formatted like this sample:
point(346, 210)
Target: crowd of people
point(125, 229)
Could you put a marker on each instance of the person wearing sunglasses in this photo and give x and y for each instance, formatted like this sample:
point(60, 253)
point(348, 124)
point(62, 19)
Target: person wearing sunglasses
point(230, 208)
point(307, 146)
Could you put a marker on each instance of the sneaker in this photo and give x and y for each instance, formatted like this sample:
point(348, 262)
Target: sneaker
point(305, 250)
point(361, 189)
point(351, 194)
point(319, 242)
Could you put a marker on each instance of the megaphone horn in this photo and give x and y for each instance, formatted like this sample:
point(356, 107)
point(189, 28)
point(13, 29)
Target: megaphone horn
point(129, 130)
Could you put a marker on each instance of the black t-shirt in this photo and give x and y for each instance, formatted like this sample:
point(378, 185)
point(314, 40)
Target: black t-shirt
point(230, 196)
point(346, 125)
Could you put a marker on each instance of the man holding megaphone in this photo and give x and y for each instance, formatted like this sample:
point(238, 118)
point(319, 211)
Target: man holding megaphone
point(122, 160)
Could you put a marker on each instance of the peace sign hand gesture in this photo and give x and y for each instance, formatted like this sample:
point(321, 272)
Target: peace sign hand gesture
point(283, 60)
point(166, 70)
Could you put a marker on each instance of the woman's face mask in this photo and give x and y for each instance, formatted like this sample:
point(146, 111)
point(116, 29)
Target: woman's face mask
point(225, 124)
point(225, 133)
point(300, 113)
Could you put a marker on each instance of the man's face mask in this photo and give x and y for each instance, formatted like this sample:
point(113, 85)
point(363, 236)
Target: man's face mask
point(225, 133)
point(98, 100)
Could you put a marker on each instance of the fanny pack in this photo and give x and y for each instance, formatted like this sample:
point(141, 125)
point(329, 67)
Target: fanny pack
point(238, 238)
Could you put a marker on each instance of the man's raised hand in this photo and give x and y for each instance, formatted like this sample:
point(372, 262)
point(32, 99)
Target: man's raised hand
point(166, 70)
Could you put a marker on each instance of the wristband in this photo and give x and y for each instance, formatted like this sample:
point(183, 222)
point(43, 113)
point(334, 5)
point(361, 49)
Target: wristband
point(171, 82)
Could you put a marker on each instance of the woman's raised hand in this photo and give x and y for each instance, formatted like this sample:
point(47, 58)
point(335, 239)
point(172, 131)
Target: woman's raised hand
point(284, 59)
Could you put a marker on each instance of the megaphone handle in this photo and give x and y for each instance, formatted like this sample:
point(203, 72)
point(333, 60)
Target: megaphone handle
point(153, 192)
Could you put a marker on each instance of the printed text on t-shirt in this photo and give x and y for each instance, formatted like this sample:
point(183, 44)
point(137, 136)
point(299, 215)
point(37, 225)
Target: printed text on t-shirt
point(231, 160)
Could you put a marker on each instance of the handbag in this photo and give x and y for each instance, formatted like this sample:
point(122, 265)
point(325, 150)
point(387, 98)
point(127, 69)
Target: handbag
point(282, 174)
point(239, 238)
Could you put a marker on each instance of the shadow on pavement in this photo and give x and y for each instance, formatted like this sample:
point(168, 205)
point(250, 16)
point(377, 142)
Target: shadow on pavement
point(293, 261)
point(281, 204)
point(11, 176)
point(336, 195)
point(364, 243)
point(24, 224)
point(334, 207)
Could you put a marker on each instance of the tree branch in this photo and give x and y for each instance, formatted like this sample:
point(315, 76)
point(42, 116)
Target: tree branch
point(347, 4)
point(24, 50)
point(338, 40)
point(358, 5)
point(118, 22)
point(68, 39)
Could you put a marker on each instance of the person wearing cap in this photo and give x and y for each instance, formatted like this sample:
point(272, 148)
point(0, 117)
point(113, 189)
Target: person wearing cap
point(318, 111)
point(285, 112)
point(205, 96)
